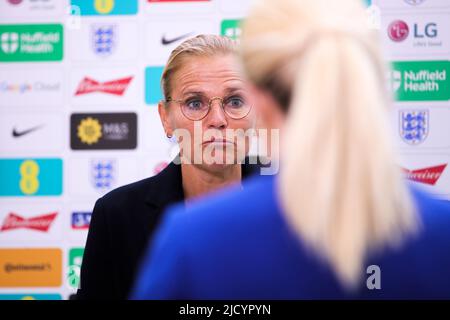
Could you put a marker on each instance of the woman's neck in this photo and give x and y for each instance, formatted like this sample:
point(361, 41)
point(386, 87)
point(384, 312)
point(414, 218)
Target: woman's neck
point(198, 181)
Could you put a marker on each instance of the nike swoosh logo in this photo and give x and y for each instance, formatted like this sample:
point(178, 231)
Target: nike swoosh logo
point(166, 41)
point(17, 134)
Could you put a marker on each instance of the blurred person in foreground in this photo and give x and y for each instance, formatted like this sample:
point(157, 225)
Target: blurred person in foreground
point(338, 221)
point(204, 96)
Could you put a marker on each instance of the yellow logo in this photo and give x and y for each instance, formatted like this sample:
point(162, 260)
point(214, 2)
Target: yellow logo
point(29, 171)
point(104, 6)
point(89, 130)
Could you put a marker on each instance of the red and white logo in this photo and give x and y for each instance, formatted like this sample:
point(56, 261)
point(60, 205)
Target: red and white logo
point(398, 31)
point(40, 223)
point(115, 87)
point(428, 175)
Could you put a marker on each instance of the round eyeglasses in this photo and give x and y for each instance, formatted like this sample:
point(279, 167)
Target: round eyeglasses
point(197, 108)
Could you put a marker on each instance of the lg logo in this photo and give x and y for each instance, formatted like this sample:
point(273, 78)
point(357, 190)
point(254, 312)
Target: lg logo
point(398, 30)
point(429, 31)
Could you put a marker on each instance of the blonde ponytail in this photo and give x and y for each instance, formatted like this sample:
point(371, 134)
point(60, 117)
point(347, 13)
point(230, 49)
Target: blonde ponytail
point(340, 187)
point(339, 183)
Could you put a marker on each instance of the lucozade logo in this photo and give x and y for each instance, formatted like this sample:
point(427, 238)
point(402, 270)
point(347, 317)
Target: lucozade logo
point(231, 29)
point(75, 261)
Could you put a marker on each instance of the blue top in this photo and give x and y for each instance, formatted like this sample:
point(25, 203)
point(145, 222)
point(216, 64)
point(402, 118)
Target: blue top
point(237, 245)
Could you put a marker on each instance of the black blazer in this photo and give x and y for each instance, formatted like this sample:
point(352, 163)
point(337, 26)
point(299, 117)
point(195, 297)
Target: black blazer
point(122, 223)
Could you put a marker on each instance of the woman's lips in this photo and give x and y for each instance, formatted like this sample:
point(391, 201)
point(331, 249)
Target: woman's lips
point(218, 141)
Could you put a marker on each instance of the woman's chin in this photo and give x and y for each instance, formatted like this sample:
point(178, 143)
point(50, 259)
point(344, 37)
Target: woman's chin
point(220, 157)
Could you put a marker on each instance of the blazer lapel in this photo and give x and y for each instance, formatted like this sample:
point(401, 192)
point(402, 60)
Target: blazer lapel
point(167, 187)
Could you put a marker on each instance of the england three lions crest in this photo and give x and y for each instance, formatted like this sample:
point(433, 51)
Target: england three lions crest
point(104, 39)
point(103, 174)
point(414, 126)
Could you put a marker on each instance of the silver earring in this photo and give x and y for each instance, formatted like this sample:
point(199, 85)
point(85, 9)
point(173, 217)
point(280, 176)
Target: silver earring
point(169, 136)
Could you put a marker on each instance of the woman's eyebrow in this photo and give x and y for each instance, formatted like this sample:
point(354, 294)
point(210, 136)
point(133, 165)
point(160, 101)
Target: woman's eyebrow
point(227, 91)
point(233, 90)
point(198, 93)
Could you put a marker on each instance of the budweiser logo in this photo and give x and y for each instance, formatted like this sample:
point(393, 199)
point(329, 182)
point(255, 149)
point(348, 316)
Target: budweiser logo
point(426, 175)
point(41, 223)
point(116, 87)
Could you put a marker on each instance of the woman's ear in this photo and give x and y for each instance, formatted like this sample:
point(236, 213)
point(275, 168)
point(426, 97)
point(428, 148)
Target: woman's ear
point(164, 115)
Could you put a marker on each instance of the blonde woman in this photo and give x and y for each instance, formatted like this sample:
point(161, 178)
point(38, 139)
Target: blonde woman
point(339, 221)
point(204, 92)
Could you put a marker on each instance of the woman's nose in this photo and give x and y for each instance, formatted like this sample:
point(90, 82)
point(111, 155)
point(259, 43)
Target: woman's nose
point(216, 117)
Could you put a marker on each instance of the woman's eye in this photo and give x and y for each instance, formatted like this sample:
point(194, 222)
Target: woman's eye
point(194, 104)
point(235, 102)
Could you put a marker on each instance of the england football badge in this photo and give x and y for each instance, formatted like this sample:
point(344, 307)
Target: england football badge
point(414, 126)
point(103, 174)
point(104, 39)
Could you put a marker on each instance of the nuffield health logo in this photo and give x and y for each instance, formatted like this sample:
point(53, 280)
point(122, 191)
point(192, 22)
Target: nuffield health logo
point(31, 42)
point(10, 42)
point(420, 80)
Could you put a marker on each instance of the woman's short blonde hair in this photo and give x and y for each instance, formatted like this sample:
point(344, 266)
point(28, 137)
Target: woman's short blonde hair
point(205, 45)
